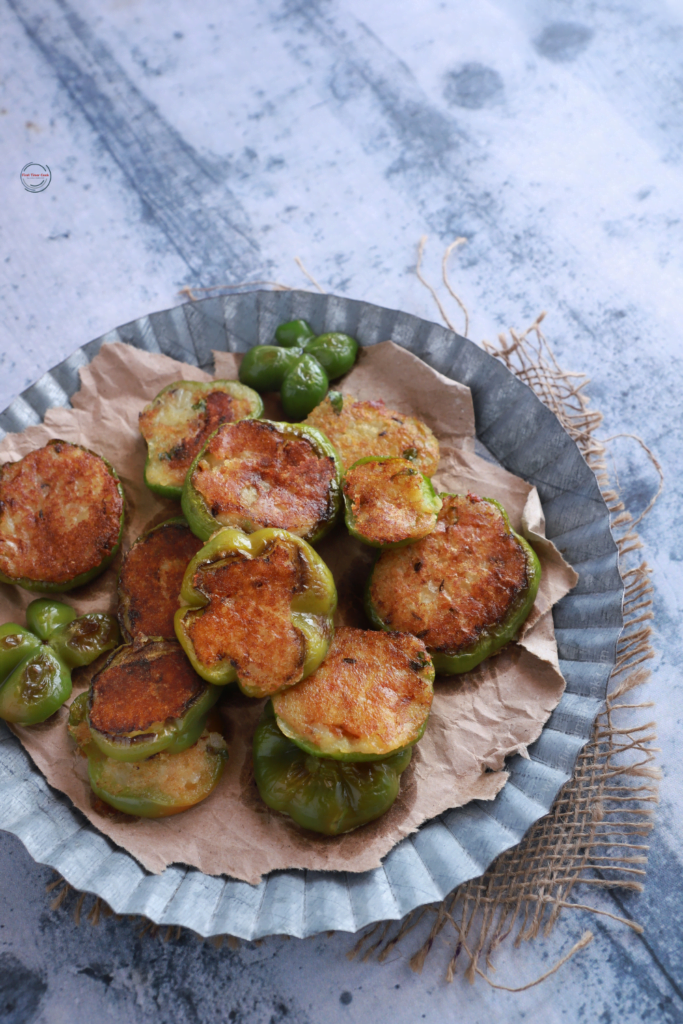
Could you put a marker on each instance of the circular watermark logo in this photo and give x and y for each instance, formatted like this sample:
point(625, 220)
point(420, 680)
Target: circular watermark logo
point(35, 177)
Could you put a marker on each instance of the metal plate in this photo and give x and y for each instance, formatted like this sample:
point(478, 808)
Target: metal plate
point(521, 434)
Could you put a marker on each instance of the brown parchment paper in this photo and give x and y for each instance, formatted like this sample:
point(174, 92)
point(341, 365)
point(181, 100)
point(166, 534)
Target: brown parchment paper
point(477, 719)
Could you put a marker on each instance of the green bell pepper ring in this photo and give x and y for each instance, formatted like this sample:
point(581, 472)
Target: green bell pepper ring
point(303, 387)
point(335, 352)
point(491, 638)
point(130, 669)
point(247, 654)
point(162, 785)
point(264, 367)
point(36, 663)
point(391, 504)
point(332, 797)
point(204, 524)
point(294, 334)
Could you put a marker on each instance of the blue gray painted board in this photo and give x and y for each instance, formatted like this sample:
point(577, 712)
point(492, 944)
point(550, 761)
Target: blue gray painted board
point(571, 198)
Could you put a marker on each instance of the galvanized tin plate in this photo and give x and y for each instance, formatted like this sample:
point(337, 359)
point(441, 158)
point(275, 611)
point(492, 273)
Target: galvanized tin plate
point(526, 438)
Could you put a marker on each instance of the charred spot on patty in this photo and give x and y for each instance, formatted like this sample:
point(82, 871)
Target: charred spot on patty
point(253, 475)
point(61, 511)
point(151, 577)
point(472, 573)
point(142, 685)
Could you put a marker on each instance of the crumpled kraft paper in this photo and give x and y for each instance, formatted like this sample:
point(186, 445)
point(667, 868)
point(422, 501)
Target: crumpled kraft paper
point(477, 719)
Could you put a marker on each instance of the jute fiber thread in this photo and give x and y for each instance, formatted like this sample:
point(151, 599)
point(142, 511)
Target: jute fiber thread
point(596, 832)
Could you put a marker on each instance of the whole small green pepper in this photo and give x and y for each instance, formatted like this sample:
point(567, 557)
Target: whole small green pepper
point(294, 334)
point(300, 365)
point(335, 352)
point(320, 794)
point(264, 367)
point(303, 387)
point(36, 662)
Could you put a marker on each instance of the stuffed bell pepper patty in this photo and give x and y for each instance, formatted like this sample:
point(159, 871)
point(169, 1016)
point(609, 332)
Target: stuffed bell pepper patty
point(61, 517)
point(164, 784)
point(258, 610)
point(466, 589)
point(330, 751)
point(257, 474)
point(359, 428)
point(145, 699)
point(389, 503)
point(151, 577)
point(179, 422)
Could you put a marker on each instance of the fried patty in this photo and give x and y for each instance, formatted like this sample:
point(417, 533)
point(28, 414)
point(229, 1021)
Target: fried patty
point(388, 501)
point(172, 781)
point(358, 428)
point(151, 577)
point(177, 424)
point(452, 586)
point(372, 695)
point(143, 685)
point(248, 619)
point(60, 513)
point(253, 475)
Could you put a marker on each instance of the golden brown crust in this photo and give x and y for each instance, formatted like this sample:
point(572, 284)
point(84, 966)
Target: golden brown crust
point(248, 620)
point(460, 580)
point(60, 514)
point(184, 778)
point(143, 685)
point(387, 501)
point(254, 476)
point(368, 428)
point(179, 430)
point(151, 577)
point(369, 696)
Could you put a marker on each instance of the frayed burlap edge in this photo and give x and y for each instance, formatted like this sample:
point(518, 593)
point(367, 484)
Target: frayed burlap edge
point(595, 834)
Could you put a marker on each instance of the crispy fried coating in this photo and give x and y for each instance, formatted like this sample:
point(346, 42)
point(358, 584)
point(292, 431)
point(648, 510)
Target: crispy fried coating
point(248, 618)
point(254, 476)
point(178, 422)
point(388, 501)
point(461, 580)
point(151, 577)
point(372, 695)
point(60, 514)
point(174, 781)
point(360, 428)
point(141, 686)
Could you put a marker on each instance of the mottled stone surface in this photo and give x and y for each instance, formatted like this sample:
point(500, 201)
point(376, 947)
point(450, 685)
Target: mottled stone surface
point(196, 146)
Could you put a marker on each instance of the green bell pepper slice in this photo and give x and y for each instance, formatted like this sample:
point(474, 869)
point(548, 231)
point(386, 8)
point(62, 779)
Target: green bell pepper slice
point(165, 784)
point(204, 524)
point(174, 732)
point(397, 508)
point(36, 662)
point(249, 656)
point(332, 797)
point(491, 639)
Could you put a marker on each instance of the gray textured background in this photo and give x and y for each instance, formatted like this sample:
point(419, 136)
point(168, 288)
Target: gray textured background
point(212, 145)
